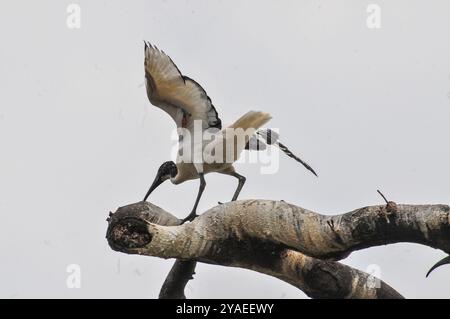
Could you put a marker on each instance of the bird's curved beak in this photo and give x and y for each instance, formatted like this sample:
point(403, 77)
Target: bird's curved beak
point(159, 179)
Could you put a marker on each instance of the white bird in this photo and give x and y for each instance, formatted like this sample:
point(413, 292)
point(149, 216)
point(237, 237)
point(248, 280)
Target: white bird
point(191, 109)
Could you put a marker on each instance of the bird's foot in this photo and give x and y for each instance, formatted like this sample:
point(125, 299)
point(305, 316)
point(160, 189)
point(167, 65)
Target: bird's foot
point(189, 218)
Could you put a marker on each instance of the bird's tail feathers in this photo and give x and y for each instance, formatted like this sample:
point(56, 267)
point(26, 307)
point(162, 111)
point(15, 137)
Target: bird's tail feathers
point(272, 138)
point(251, 120)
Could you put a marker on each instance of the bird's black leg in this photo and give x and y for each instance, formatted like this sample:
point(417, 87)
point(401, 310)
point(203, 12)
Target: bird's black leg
point(240, 185)
point(193, 213)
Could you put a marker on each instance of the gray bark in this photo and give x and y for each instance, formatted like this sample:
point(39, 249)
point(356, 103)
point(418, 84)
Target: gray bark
point(288, 242)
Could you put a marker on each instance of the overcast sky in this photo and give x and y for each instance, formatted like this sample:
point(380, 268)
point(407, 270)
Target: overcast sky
point(367, 108)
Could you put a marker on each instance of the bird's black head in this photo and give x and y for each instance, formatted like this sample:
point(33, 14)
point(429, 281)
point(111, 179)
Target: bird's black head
point(166, 171)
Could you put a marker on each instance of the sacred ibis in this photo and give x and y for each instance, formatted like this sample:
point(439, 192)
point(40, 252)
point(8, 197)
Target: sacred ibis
point(193, 112)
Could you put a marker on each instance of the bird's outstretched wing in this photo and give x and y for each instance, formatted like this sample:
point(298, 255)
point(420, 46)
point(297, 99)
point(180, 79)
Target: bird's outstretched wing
point(178, 95)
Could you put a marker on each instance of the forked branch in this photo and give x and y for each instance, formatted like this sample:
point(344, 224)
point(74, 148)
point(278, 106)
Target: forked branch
point(282, 240)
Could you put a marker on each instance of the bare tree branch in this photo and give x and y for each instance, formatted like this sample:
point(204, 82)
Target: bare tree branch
point(182, 271)
point(265, 236)
point(302, 230)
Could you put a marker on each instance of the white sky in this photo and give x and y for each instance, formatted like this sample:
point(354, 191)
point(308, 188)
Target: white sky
point(368, 108)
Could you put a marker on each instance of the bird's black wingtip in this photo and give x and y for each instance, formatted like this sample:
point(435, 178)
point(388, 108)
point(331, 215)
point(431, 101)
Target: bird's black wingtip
point(147, 45)
point(440, 263)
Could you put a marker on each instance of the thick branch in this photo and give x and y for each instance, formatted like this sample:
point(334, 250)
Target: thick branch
point(224, 236)
point(313, 234)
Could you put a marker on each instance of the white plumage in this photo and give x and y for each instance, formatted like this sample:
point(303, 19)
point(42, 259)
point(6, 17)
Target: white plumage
point(192, 110)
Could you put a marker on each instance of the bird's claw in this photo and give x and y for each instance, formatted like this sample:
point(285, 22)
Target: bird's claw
point(190, 218)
